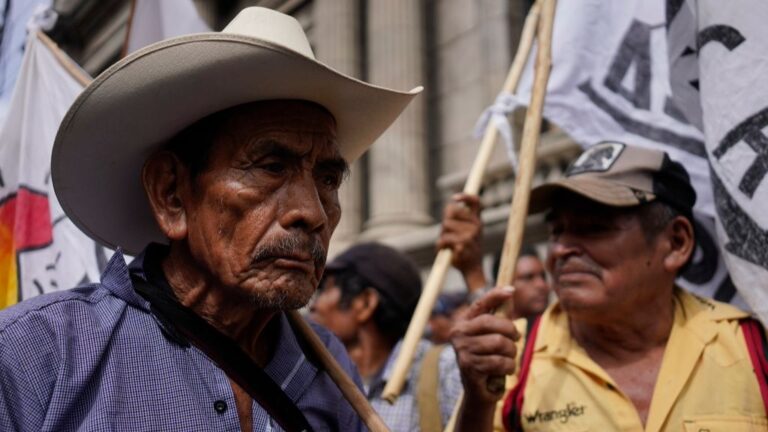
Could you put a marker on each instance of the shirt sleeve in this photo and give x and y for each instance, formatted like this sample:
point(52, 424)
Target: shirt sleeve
point(20, 408)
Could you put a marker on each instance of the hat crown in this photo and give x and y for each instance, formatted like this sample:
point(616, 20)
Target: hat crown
point(271, 26)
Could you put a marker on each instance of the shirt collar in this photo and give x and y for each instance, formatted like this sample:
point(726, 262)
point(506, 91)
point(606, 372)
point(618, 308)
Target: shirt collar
point(376, 385)
point(116, 278)
point(288, 366)
point(697, 314)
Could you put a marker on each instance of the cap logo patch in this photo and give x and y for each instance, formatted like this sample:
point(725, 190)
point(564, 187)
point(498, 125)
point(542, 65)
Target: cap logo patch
point(597, 158)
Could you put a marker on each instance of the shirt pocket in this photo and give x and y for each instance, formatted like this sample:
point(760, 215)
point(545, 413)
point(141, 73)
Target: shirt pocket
point(718, 423)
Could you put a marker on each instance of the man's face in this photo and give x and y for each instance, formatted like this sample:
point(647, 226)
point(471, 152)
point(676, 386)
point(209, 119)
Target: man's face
point(326, 309)
point(260, 215)
point(601, 262)
point(531, 289)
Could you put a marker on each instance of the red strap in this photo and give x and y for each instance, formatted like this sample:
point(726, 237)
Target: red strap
point(753, 334)
point(513, 404)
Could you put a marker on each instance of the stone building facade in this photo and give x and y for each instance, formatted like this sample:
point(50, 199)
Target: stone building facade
point(459, 50)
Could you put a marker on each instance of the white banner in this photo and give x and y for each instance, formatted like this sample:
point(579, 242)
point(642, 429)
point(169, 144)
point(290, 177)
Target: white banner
point(720, 54)
point(155, 20)
point(610, 81)
point(16, 14)
point(41, 250)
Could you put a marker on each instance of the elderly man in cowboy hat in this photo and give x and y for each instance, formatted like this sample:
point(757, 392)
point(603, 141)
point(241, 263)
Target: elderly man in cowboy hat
point(217, 158)
point(623, 348)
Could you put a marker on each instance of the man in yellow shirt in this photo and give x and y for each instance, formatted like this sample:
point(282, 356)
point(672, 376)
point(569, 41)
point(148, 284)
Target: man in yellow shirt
point(623, 349)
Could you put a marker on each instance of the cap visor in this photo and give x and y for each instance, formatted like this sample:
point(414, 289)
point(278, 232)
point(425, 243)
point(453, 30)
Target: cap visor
point(601, 191)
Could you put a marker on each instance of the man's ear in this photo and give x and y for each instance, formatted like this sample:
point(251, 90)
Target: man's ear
point(365, 305)
point(164, 176)
point(681, 243)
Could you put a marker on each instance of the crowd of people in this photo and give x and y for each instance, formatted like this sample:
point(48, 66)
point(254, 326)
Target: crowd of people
point(241, 200)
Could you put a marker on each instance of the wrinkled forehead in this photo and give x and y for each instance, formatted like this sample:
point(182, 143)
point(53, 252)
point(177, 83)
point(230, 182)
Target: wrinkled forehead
point(300, 127)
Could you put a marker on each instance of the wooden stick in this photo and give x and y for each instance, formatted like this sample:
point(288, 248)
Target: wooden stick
point(67, 63)
point(518, 211)
point(434, 283)
point(338, 375)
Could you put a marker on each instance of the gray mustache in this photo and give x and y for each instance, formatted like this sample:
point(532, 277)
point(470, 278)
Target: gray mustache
point(292, 245)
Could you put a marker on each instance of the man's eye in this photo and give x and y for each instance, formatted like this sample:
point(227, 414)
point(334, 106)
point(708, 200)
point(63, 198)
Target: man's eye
point(329, 178)
point(273, 167)
point(332, 181)
point(595, 228)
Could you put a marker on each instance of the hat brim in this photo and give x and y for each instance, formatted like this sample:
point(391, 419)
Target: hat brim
point(135, 106)
point(604, 192)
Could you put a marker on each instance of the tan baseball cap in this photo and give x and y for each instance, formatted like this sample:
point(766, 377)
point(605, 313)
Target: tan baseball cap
point(621, 175)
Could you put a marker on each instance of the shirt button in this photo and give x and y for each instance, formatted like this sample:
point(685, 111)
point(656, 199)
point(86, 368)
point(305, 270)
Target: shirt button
point(220, 406)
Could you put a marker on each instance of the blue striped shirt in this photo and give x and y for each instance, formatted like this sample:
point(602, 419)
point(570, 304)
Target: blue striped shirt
point(96, 359)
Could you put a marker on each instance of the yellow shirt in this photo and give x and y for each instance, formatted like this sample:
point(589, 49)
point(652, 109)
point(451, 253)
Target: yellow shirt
point(705, 383)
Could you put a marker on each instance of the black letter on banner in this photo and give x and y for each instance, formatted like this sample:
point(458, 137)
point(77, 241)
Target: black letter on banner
point(726, 35)
point(746, 239)
point(750, 130)
point(673, 7)
point(726, 291)
point(635, 48)
point(665, 136)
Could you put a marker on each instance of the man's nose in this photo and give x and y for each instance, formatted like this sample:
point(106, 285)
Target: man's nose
point(560, 247)
point(302, 206)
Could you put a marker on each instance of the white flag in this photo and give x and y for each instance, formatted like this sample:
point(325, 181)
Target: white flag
point(156, 20)
point(40, 249)
point(720, 54)
point(610, 81)
point(16, 14)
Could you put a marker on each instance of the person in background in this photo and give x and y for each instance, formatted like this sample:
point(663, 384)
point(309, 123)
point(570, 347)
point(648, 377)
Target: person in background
point(462, 233)
point(366, 298)
point(531, 287)
point(447, 309)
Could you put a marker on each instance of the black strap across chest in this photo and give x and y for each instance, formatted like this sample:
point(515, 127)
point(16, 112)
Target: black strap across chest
point(227, 355)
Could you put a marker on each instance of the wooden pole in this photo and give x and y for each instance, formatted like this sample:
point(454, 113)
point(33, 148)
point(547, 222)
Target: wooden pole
point(73, 69)
point(434, 283)
point(338, 375)
point(518, 211)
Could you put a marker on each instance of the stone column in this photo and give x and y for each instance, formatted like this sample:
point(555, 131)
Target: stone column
point(336, 42)
point(399, 198)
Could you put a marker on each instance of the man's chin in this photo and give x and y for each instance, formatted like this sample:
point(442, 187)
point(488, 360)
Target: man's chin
point(282, 298)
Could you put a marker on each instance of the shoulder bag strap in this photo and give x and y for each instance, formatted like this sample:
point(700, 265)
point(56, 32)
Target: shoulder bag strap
point(513, 404)
point(228, 356)
point(754, 335)
point(427, 390)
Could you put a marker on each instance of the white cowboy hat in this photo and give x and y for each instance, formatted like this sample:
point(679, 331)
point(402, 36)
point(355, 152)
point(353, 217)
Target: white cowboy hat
point(135, 106)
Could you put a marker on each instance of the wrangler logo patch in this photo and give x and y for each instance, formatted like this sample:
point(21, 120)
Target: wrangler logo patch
point(561, 415)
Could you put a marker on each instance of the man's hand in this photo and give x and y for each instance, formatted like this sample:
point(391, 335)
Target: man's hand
point(462, 232)
point(485, 347)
